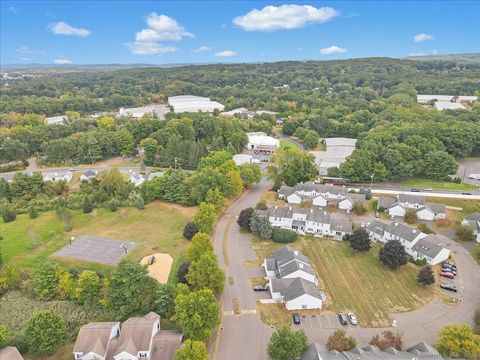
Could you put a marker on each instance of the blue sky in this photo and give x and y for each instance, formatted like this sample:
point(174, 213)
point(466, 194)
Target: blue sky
point(159, 32)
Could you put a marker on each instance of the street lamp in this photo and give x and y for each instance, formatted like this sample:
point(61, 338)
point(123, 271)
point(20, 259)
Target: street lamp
point(371, 182)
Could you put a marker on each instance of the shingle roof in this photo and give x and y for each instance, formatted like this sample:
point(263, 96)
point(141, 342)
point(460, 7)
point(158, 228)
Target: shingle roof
point(293, 266)
point(291, 289)
point(356, 197)
point(164, 344)
point(94, 337)
point(286, 190)
point(437, 208)
point(386, 202)
point(287, 254)
point(281, 211)
point(403, 231)
point(427, 248)
point(319, 216)
point(136, 334)
point(412, 199)
point(474, 216)
point(313, 351)
point(340, 222)
point(377, 227)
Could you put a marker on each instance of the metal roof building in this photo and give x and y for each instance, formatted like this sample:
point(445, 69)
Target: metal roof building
point(191, 103)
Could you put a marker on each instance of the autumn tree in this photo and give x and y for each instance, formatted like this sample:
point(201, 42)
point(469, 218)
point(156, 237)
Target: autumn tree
point(458, 341)
point(388, 339)
point(339, 341)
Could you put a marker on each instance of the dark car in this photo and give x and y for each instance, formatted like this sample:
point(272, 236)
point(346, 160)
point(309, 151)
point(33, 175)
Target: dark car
point(296, 319)
point(414, 190)
point(450, 270)
point(447, 274)
point(466, 193)
point(450, 265)
point(342, 318)
point(260, 288)
point(449, 287)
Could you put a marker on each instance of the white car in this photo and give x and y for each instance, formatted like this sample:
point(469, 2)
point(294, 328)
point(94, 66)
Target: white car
point(474, 176)
point(352, 318)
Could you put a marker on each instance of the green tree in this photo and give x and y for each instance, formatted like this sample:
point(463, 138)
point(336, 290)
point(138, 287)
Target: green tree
point(292, 166)
point(339, 341)
point(45, 332)
point(359, 240)
point(64, 289)
point(286, 344)
point(200, 245)
point(131, 289)
point(425, 275)
point(113, 185)
point(197, 313)
point(284, 235)
point(464, 233)
point(439, 164)
point(476, 320)
point(88, 287)
point(250, 174)
point(410, 216)
point(215, 197)
point(3, 336)
point(260, 225)
point(45, 280)
point(458, 341)
point(205, 217)
point(9, 278)
point(393, 254)
point(358, 208)
point(150, 146)
point(205, 273)
point(311, 139)
point(192, 350)
point(164, 300)
point(8, 214)
point(245, 217)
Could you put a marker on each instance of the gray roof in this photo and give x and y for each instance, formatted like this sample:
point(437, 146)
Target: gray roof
point(295, 266)
point(136, 334)
point(340, 222)
point(377, 227)
point(287, 254)
point(286, 190)
point(281, 211)
point(10, 353)
point(164, 344)
point(474, 216)
point(291, 289)
point(437, 208)
point(419, 351)
point(90, 173)
point(270, 264)
point(356, 197)
point(319, 216)
point(94, 337)
point(403, 231)
point(386, 202)
point(412, 199)
point(427, 248)
point(321, 189)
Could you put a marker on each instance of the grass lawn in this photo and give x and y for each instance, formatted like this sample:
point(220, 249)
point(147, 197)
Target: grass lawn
point(476, 253)
point(435, 184)
point(454, 217)
point(357, 282)
point(284, 143)
point(271, 198)
point(27, 243)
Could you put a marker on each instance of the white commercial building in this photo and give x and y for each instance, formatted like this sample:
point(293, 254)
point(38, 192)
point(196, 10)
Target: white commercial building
point(261, 142)
point(138, 112)
point(336, 151)
point(56, 120)
point(423, 99)
point(191, 103)
point(241, 159)
point(447, 105)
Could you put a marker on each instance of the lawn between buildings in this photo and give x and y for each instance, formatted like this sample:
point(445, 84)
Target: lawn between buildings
point(27, 243)
point(435, 184)
point(354, 281)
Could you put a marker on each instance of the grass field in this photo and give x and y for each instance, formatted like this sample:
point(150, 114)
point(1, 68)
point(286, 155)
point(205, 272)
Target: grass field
point(455, 217)
point(284, 143)
point(435, 184)
point(358, 282)
point(27, 243)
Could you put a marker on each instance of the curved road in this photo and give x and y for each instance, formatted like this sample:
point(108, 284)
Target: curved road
point(242, 335)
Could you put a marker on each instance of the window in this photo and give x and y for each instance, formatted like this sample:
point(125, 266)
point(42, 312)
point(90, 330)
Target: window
point(304, 306)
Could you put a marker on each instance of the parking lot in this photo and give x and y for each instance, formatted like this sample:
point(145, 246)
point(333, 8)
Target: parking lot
point(469, 166)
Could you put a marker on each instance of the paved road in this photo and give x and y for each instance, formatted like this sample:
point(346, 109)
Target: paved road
point(279, 135)
point(441, 194)
point(243, 336)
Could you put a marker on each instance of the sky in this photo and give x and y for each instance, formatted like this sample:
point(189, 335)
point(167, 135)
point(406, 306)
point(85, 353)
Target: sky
point(170, 32)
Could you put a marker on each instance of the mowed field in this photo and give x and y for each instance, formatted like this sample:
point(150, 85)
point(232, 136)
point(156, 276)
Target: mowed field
point(27, 243)
point(358, 282)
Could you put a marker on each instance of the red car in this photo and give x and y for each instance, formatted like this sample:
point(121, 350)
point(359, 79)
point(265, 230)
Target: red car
point(447, 274)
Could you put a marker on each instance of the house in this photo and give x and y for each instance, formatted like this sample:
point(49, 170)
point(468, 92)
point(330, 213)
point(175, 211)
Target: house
point(336, 152)
point(58, 176)
point(88, 175)
point(191, 103)
point(93, 340)
point(259, 141)
point(56, 120)
point(429, 249)
point(241, 159)
point(10, 353)
point(425, 210)
point(420, 351)
point(416, 243)
point(288, 263)
point(156, 110)
point(313, 221)
point(154, 174)
point(347, 202)
point(136, 179)
point(296, 293)
point(473, 221)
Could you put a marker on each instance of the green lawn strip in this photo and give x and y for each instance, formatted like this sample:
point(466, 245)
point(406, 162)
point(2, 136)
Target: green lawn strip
point(284, 143)
point(435, 184)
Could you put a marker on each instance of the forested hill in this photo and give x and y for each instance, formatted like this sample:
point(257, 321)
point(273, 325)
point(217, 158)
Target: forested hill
point(459, 58)
point(269, 85)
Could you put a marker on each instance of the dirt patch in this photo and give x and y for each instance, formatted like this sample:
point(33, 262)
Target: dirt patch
point(159, 269)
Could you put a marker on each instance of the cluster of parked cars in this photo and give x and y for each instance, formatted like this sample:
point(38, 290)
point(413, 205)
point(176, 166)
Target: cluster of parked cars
point(448, 271)
point(474, 176)
point(344, 319)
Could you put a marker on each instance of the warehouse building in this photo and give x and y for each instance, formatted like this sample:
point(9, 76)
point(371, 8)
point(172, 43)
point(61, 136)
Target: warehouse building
point(156, 110)
point(259, 141)
point(336, 151)
point(191, 103)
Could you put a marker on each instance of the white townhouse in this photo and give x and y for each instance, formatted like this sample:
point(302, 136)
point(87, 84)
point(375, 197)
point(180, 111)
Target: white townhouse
point(417, 244)
point(288, 263)
point(136, 179)
point(94, 339)
point(425, 210)
point(473, 221)
point(313, 221)
point(58, 176)
point(296, 294)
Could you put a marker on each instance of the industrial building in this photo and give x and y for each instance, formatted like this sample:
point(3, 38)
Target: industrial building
point(259, 141)
point(336, 151)
point(138, 112)
point(191, 103)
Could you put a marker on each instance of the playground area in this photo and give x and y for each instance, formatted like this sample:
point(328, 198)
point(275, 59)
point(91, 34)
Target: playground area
point(159, 265)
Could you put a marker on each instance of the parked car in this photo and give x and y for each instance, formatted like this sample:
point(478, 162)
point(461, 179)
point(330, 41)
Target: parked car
point(466, 193)
point(296, 319)
point(450, 265)
point(353, 319)
point(342, 318)
point(428, 189)
point(447, 274)
point(449, 287)
point(450, 270)
point(414, 190)
point(377, 214)
point(260, 288)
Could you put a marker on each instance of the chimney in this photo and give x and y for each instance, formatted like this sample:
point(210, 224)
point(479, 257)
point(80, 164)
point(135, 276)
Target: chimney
point(300, 266)
point(295, 252)
point(395, 223)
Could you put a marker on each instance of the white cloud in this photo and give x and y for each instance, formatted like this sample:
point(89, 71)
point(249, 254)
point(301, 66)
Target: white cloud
point(62, 28)
point(332, 50)
point(160, 28)
point(422, 37)
point(149, 48)
point(272, 18)
point(202, 49)
point(62, 61)
point(27, 51)
point(12, 9)
point(225, 53)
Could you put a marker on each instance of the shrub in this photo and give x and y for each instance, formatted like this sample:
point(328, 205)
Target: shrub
point(464, 233)
point(46, 332)
point(425, 276)
point(359, 209)
point(32, 212)
point(283, 236)
point(140, 203)
point(113, 205)
point(261, 205)
point(339, 341)
point(245, 218)
point(260, 225)
point(389, 339)
point(182, 272)
point(424, 228)
point(410, 216)
point(190, 230)
point(87, 206)
point(9, 214)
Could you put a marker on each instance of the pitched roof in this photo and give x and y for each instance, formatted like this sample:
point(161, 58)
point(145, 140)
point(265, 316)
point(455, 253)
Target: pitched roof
point(292, 289)
point(315, 351)
point(386, 202)
point(287, 254)
point(377, 227)
point(356, 197)
point(319, 216)
point(340, 222)
point(281, 211)
point(136, 334)
point(437, 208)
point(94, 337)
point(286, 190)
point(164, 344)
point(474, 216)
point(412, 199)
point(295, 266)
point(403, 231)
point(10, 353)
point(427, 248)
